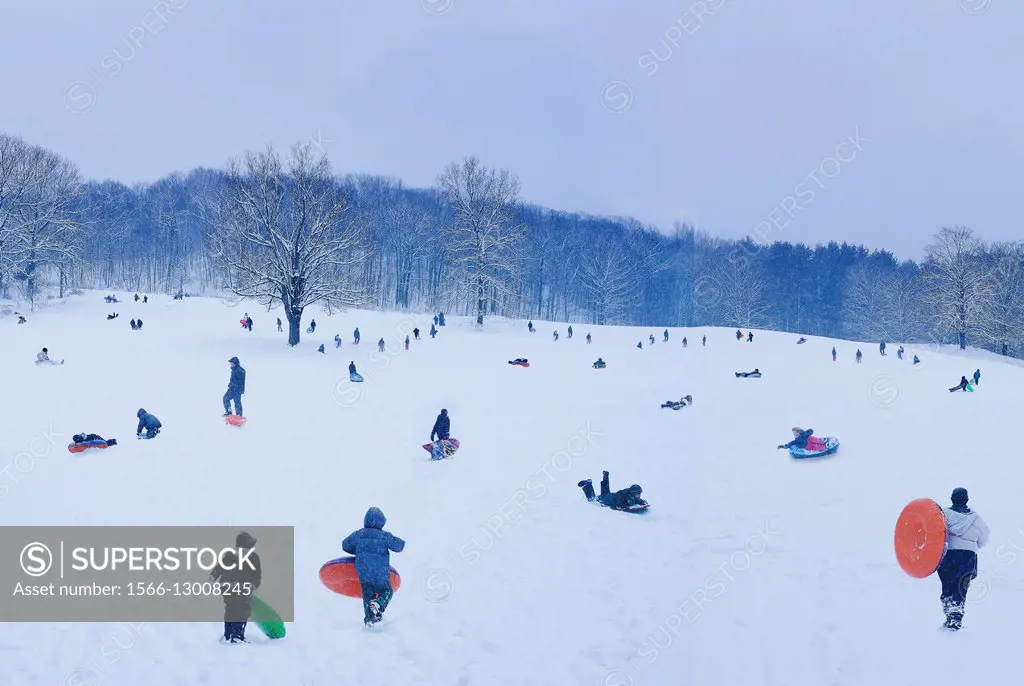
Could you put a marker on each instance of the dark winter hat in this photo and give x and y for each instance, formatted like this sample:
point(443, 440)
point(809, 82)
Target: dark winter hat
point(45, 350)
point(233, 360)
point(245, 540)
point(444, 413)
point(959, 496)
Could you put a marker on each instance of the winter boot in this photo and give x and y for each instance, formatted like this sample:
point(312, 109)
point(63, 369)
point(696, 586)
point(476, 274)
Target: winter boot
point(588, 488)
point(605, 487)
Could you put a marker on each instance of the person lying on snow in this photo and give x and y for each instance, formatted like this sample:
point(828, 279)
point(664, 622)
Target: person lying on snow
point(372, 547)
point(756, 374)
point(149, 423)
point(112, 316)
point(678, 404)
point(89, 438)
point(962, 386)
point(519, 361)
point(801, 341)
point(626, 500)
point(804, 439)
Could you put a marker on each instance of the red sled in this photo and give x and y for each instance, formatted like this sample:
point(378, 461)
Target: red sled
point(339, 575)
point(921, 537)
point(235, 420)
point(88, 445)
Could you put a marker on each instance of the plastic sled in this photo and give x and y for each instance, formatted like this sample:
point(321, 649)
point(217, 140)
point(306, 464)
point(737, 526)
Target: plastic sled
point(266, 618)
point(921, 537)
point(235, 420)
point(520, 364)
point(600, 366)
point(87, 445)
point(356, 378)
point(448, 445)
point(831, 445)
point(339, 575)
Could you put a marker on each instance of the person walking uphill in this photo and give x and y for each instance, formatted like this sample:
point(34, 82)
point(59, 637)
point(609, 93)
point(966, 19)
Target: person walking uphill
point(977, 376)
point(236, 387)
point(242, 578)
point(372, 547)
point(967, 533)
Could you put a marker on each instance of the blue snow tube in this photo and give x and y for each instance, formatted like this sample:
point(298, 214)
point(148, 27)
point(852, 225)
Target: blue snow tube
point(831, 446)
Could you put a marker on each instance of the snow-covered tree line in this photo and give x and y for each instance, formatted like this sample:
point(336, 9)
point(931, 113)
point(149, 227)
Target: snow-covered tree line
point(284, 228)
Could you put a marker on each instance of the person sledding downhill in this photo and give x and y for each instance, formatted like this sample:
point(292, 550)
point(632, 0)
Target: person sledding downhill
point(685, 401)
point(967, 532)
point(148, 423)
point(804, 440)
point(442, 432)
point(962, 386)
point(236, 387)
point(372, 547)
point(626, 500)
point(519, 362)
point(599, 364)
point(78, 439)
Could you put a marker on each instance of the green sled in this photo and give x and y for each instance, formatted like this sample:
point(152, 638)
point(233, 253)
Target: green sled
point(266, 619)
point(970, 388)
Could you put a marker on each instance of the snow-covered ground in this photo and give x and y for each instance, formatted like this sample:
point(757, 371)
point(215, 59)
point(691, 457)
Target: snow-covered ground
point(751, 568)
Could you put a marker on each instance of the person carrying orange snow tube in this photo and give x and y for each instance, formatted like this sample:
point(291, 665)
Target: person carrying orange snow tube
point(804, 439)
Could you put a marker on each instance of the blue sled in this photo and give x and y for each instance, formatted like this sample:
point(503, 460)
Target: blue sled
point(355, 377)
point(831, 446)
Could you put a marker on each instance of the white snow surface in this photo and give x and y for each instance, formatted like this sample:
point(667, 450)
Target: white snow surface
point(751, 567)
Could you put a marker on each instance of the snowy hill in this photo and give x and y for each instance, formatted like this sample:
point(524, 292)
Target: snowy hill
point(751, 568)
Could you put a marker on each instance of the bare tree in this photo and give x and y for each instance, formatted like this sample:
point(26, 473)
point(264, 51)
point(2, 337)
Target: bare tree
point(864, 308)
point(282, 235)
point(15, 183)
point(609, 278)
point(744, 301)
point(484, 237)
point(1006, 306)
point(958, 283)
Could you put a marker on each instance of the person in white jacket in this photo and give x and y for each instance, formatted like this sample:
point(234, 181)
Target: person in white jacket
point(967, 534)
point(43, 357)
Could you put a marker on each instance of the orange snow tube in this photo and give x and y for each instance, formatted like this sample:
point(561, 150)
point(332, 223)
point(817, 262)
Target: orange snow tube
point(920, 538)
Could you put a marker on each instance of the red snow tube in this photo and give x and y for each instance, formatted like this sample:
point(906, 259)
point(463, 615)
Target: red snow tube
point(88, 445)
point(920, 538)
point(339, 575)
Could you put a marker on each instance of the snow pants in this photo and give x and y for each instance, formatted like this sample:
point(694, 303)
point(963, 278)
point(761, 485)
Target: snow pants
point(958, 569)
point(382, 594)
point(237, 397)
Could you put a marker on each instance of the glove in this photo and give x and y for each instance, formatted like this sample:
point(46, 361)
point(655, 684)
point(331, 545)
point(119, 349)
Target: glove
point(781, 447)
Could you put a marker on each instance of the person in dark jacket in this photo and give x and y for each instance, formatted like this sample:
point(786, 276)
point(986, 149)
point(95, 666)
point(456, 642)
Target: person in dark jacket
point(416, 334)
point(442, 427)
point(756, 374)
point(750, 337)
point(134, 325)
point(639, 345)
point(355, 336)
point(599, 364)
point(652, 339)
point(899, 353)
point(704, 342)
point(962, 386)
point(881, 348)
point(967, 533)
point(88, 438)
point(337, 340)
point(279, 324)
point(433, 331)
point(860, 356)
point(739, 335)
point(977, 376)
point(112, 316)
point(248, 323)
point(435, 320)
point(569, 332)
point(917, 360)
point(678, 404)
point(519, 361)
point(440, 319)
point(554, 336)
point(321, 349)
point(372, 547)
point(685, 342)
point(834, 353)
point(147, 422)
point(380, 345)
point(588, 339)
point(312, 326)
point(529, 326)
point(145, 299)
point(236, 387)
point(241, 579)
point(352, 368)
point(664, 336)
point(626, 500)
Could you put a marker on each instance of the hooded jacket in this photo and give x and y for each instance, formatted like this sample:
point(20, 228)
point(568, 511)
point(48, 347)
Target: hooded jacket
point(147, 422)
point(442, 427)
point(237, 382)
point(372, 547)
point(967, 530)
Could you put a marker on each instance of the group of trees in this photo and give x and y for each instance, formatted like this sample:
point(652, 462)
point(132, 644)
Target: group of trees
point(288, 230)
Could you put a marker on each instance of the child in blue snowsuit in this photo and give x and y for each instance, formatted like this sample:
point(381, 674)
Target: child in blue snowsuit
point(147, 422)
point(372, 547)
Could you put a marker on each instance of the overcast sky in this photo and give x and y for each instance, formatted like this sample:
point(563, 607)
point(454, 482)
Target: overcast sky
point(720, 113)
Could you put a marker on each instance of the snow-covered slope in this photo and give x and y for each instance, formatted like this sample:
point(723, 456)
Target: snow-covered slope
point(750, 568)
